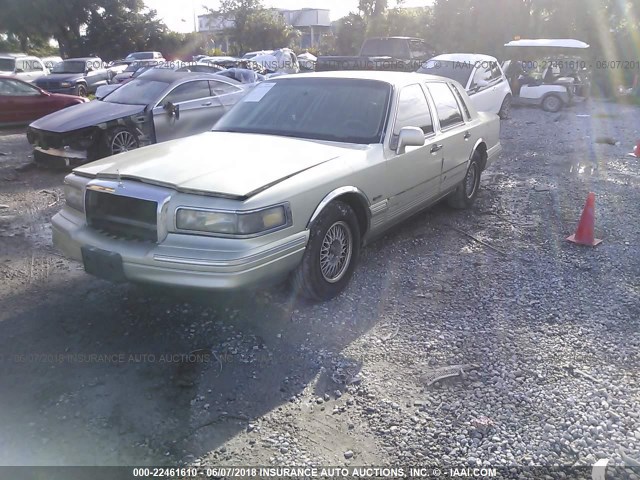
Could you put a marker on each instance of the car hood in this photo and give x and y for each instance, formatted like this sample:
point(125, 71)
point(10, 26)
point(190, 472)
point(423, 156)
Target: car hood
point(85, 115)
point(60, 77)
point(236, 165)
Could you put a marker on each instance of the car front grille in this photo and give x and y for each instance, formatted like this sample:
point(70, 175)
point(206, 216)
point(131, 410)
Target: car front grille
point(122, 217)
point(45, 85)
point(45, 139)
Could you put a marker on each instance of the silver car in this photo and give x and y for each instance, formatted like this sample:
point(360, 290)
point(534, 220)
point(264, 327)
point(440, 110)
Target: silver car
point(157, 106)
point(294, 180)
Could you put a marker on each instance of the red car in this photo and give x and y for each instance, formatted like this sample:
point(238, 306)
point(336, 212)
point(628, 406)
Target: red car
point(21, 102)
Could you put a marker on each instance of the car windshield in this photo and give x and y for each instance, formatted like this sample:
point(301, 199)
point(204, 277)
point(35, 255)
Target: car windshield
point(137, 92)
point(7, 64)
point(341, 110)
point(458, 71)
point(385, 47)
point(70, 66)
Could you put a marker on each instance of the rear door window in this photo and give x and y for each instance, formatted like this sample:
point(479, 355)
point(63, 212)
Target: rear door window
point(188, 91)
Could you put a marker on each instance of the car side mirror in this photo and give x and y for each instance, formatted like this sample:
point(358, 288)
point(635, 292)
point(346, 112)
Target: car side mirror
point(172, 110)
point(409, 137)
point(19, 70)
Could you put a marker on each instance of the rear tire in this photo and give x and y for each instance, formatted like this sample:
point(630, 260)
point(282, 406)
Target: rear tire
point(467, 192)
point(331, 254)
point(552, 103)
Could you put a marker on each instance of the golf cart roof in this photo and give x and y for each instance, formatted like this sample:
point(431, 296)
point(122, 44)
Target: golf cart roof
point(548, 43)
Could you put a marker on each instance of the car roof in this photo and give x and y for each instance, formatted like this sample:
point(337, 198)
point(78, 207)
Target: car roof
point(465, 57)
point(83, 59)
point(13, 55)
point(395, 38)
point(393, 78)
point(170, 76)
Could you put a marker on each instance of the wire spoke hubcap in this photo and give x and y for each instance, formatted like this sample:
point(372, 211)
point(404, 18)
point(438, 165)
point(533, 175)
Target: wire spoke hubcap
point(470, 180)
point(123, 142)
point(335, 252)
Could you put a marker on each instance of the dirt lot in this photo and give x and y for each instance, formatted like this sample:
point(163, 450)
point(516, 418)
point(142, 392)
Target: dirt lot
point(98, 374)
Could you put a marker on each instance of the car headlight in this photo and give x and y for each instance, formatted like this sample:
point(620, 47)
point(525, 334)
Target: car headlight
point(233, 223)
point(65, 84)
point(74, 197)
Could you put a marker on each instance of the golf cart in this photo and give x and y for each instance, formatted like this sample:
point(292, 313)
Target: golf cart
point(550, 73)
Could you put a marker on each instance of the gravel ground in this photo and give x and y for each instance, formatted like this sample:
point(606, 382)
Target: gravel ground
point(521, 350)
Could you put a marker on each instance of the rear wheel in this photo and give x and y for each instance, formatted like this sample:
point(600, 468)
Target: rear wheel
point(331, 254)
point(552, 103)
point(466, 193)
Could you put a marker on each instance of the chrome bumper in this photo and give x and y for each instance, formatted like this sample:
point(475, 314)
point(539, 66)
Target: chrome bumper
point(232, 264)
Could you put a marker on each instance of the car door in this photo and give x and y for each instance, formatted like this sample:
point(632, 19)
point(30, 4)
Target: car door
point(414, 176)
point(227, 94)
point(23, 101)
point(454, 137)
point(484, 91)
point(197, 108)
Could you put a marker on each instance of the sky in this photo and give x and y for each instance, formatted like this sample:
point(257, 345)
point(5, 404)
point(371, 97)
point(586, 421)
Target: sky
point(179, 14)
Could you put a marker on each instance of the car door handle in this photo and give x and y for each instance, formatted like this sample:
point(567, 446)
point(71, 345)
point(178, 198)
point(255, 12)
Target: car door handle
point(206, 104)
point(467, 135)
point(436, 147)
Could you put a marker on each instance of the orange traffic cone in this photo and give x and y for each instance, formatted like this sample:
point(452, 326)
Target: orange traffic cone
point(584, 233)
point(636, 150)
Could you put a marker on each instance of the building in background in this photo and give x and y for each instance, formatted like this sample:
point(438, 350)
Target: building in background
point(313, 24)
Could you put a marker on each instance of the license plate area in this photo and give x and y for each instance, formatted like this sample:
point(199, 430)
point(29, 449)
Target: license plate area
point(103, 264)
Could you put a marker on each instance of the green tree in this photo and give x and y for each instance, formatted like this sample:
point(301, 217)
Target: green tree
point(350, 34)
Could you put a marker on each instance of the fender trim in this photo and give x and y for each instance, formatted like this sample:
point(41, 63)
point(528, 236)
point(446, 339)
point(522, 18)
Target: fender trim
point(337, 193)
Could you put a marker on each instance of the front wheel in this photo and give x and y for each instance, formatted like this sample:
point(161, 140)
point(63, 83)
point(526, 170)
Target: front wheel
point(121, 140)
point(81, 90)
point(505, 108)
point(467, 192)
point(552, 103)
point(331, 254)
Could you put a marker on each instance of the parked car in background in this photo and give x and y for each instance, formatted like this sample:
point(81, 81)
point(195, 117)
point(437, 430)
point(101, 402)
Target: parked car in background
point(21, 66)
point(49, 62)
point(404, 54)
point(288, 182)
point(280, 60)
point(132, 69)
point(250, 55)
point(117, 66)
point(21, 102)
point(157, 106)
point(77, 76)
point(480, 75)
point(242, 75)
point(145, 56)
point(223, 61)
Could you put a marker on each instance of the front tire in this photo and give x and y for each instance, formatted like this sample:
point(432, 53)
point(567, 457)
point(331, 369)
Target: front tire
point(505, 108)
point(331, 254)
point(81, 90)
point(120, 140)
point(467, 192)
